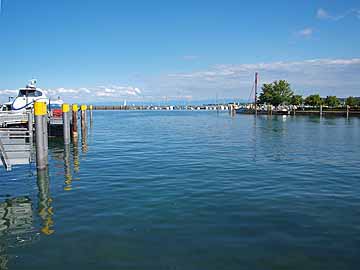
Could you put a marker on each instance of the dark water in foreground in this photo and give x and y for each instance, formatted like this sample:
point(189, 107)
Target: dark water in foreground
point(189, 190)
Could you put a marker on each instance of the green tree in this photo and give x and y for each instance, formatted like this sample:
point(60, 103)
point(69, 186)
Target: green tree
point(276, 93)
point(351, 101)
point(314, 100)
point(296, 100)
point(332, 101)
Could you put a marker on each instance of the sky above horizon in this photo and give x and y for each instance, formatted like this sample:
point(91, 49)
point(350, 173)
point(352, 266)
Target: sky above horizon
point(98, 51)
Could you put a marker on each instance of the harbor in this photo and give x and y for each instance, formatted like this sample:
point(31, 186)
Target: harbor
point(179, 135)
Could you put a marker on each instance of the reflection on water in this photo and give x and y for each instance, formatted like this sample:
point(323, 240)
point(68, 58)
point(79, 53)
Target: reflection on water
point(16, 216)
point(45, 209)
point(76, 159)
point(4, 259)
point(67, 168)
point(84, 146)
point(16, 226)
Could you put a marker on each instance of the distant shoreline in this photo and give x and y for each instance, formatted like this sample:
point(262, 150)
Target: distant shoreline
point(324, 112)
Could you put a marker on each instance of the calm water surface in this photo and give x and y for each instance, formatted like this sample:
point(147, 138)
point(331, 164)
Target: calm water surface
point(189, 190)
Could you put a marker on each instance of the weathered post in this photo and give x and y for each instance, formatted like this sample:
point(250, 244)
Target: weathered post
point(74, 120)
point(347, 111)
point(83, 117)
point(66, 123)
point(83, 128)
point(41, 135)
point(46, 135)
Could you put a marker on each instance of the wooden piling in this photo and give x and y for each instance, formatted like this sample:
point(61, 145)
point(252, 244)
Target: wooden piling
point(66, 123)
point(74, 120)
point(40, 112)
point(83, 129)
point(83, 118)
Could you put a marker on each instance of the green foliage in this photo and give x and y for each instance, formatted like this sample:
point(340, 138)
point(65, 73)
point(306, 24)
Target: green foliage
point(332, 101)
point(352, 102)
point(296, 100)
point(276, 93)
point(314, 100)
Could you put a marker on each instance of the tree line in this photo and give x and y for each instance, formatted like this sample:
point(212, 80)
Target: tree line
point(280, 92)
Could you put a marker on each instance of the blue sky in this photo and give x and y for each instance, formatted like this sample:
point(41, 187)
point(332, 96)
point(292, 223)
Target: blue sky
point(151, 50)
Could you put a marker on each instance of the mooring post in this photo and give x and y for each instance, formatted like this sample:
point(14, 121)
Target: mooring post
point(83, 118)
point(46, 135)
point(347, 111)
point(75, 109)
point(83, 128)
point(41, 135)
point(66, 122)
point(321, 110)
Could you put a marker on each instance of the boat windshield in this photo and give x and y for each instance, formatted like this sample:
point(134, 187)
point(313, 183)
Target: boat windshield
point(29, 93)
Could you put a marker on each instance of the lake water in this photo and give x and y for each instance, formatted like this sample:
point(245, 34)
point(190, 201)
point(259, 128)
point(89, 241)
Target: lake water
point(189, 190)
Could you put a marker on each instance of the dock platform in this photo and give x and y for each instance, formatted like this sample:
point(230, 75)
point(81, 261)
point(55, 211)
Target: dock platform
point(15, 147)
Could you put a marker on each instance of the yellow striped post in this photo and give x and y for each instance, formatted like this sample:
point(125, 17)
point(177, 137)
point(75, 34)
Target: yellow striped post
point(75, 109)
point(66, 122)
point(83, 119)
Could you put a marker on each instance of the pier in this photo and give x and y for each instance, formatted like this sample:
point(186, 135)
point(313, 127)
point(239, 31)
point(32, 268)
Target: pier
point(15, 147)
point(24, 136)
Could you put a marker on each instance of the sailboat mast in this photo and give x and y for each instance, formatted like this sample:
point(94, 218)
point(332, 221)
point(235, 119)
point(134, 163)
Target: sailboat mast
point(255, 98)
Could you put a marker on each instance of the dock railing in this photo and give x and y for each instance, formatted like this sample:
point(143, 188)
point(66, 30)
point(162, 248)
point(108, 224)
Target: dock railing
point(15, 147)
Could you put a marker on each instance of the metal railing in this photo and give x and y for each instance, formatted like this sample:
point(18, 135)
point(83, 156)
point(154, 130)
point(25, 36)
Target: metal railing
point(12, 118)
point(15, 146)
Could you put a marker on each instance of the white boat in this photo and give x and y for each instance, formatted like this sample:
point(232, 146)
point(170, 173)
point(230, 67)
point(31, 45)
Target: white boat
point(27, 96)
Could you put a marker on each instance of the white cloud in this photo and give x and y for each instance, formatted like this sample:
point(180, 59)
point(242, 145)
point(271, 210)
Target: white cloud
point(327, 76)
point(322, 14)
point(306, 32)
point(8, 92)
point(339, 76)
point(83, 94)
point(325, 15)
